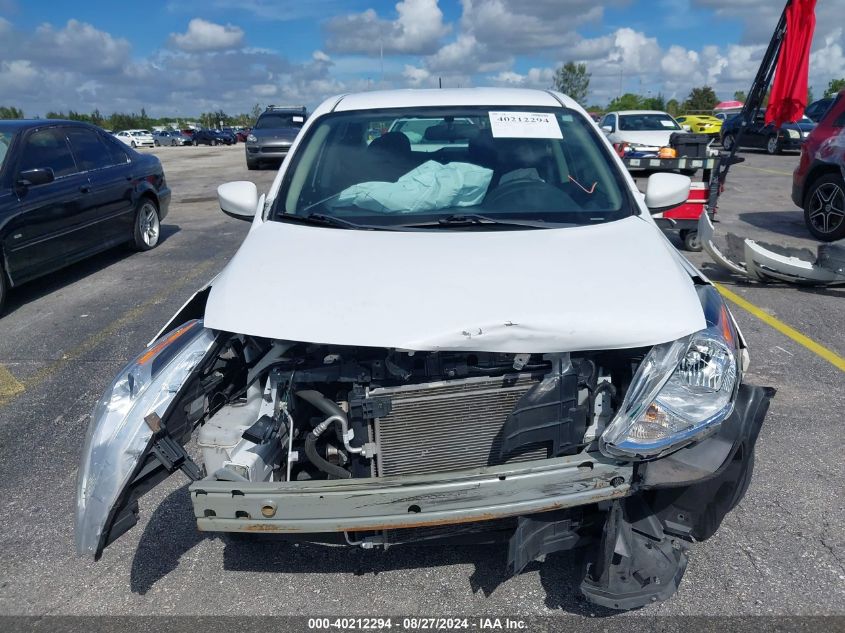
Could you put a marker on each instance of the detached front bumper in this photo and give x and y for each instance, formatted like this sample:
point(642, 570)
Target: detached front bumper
point(482, 494)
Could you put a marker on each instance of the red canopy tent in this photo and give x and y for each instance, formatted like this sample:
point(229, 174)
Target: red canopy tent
point(789, 91)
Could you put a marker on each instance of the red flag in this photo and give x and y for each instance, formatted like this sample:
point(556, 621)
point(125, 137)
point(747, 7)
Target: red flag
point(789, 92)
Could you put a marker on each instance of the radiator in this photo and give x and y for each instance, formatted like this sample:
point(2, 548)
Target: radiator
point(446, 426)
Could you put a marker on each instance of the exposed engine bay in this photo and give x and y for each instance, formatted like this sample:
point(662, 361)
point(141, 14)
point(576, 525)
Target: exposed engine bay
point(300, 412)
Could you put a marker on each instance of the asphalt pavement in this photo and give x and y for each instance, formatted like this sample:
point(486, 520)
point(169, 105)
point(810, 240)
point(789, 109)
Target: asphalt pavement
point(62, 339)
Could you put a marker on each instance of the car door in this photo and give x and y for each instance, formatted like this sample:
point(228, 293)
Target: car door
point(42, 237)
point(756, 134)
point(111, 180)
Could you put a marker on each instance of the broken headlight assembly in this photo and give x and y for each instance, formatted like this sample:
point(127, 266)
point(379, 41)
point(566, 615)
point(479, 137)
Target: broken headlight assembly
point(118, 434)
point(681, 392)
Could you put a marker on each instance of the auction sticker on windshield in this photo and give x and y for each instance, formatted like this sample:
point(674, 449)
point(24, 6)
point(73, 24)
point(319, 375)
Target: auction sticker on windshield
point(524, 125)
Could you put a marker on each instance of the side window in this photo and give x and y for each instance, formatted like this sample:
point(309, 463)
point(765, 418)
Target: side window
point(117, 155)
point(48, 148)
point(88, 149)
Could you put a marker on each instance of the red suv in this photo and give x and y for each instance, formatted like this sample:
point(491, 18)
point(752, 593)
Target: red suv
point(818, 185)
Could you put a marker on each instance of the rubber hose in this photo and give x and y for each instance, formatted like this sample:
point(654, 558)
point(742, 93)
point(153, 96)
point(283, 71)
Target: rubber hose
point(321, 464)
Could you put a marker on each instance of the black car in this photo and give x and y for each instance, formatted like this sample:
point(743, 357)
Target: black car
point(230, 134)
point(790, 136)
point(816, 110)
point(68, 190)
point(211, 137)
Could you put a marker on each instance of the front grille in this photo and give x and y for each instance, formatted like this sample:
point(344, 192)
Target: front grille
point(452, 425)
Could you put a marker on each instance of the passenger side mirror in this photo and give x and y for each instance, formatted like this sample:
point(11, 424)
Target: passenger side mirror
point(687, 128)
point(607, 129)
point(666, 191)
point(34, 177)
point(238, 199)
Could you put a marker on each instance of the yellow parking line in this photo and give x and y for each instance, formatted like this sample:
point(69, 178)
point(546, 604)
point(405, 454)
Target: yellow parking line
point(830, 356)
point(768, 171)
point(10, 387)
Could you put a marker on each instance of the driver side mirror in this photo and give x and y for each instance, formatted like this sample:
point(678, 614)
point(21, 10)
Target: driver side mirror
point(34, 177)
point(666, 191)
point(607, 129)
point(238, 199)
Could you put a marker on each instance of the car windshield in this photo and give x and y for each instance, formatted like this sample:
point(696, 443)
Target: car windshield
point(5, 143)
point(279, 120)
point(496, 167)
point(647, 123)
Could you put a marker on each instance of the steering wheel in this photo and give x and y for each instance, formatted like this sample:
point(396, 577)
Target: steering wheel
point(527, 195)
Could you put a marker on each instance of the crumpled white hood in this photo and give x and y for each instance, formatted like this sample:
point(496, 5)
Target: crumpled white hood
point(609, 286)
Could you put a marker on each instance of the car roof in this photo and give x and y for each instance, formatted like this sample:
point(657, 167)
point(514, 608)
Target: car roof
point(509, 97)
point(25, 124)
point(626, 112)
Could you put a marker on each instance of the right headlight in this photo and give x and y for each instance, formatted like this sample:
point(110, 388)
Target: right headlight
point(681, 392)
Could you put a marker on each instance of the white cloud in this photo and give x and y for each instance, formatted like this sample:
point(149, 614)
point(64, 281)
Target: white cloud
point(417, 29)
point(203, 35)
point(416, 76)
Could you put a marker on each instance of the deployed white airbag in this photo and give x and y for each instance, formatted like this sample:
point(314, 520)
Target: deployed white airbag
point(429, 187)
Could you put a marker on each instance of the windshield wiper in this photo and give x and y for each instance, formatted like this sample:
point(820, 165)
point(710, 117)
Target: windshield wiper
point(474, 219)
point(318, 219)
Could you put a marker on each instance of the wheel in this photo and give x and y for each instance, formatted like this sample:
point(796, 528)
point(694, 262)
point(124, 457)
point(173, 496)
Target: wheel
point(195, 142)
point(252, 165)
point(214, 143)
point(728, 142)
point(147, 225)
point(157, 144)
point(691, 241)
point(824, 209)
point(774, 145)
point(134, 145)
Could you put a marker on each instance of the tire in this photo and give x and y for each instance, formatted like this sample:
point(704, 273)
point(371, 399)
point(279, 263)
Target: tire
point(728, 142)
point(195, 143)
point(134, 145)
point(774, 145)
point(691, 242)
point(214, 143)
point(3, 290)
point(824, 208)
point(147, 227)
point(157, 144)
point(252, 165)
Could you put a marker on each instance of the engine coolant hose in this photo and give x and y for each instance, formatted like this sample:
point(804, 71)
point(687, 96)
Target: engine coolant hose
point(335, 415)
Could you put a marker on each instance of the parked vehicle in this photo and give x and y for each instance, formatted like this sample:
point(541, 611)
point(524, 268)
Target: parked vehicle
point(818, 186)
point(168, 138)
point(273, 134)
point(650, 139)
point(210, 137)
point(760, 135)
point(816, 110)
point(136, 138)
point(67, 191)
point(242, 134)
point(701, 124)
point(598, 400)
point(229, 133)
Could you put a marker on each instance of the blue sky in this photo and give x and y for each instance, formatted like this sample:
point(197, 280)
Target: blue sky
point(188, 56)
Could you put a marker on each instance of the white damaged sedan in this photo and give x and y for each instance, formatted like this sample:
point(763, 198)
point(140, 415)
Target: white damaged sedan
point(479, 336)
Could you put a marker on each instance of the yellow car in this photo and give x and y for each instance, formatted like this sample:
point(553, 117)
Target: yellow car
point(701, 123)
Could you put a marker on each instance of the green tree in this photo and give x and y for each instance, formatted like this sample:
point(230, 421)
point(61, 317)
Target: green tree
point(628, 101)
point(834, 87)
point(573, 79)
point(701, 99)
point(655, 103)
point(740, 95)
point(673, 107)
point(10, 112)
